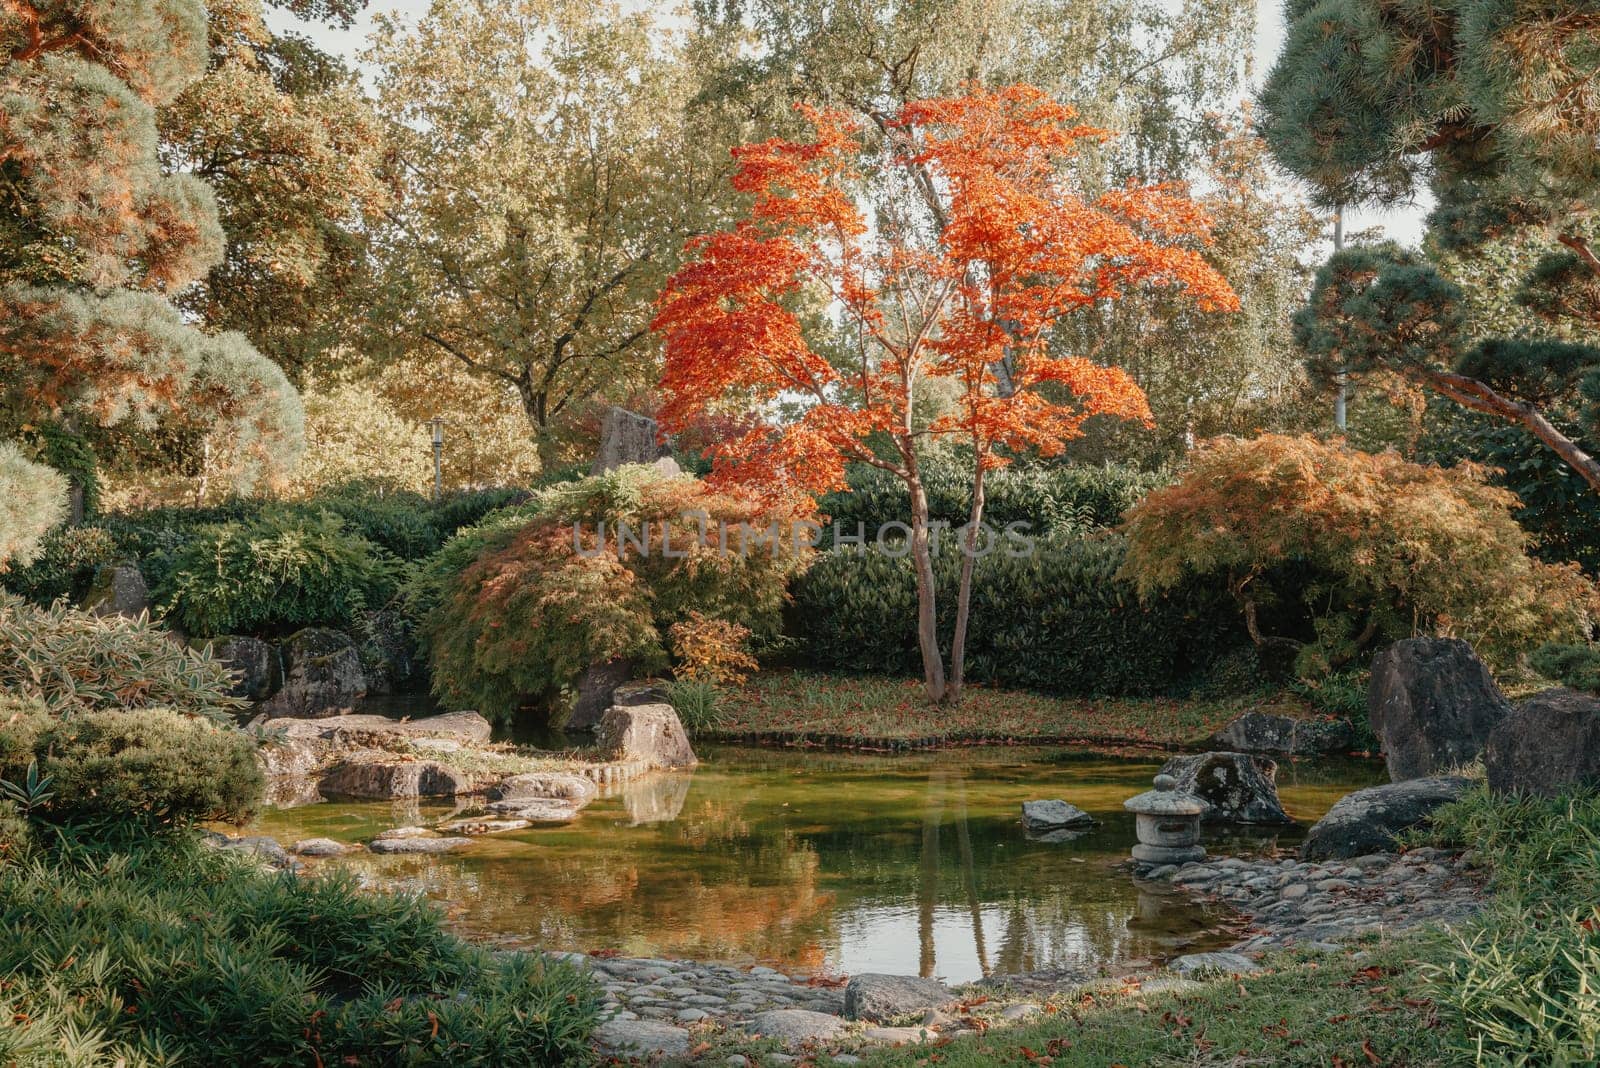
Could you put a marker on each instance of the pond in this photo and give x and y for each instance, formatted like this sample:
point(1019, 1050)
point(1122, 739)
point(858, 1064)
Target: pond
point(812, 861)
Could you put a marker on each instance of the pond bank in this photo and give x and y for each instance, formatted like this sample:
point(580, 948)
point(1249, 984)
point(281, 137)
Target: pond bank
point(663, 1008)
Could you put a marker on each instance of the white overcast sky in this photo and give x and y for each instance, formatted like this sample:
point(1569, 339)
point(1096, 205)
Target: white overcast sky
point(1404, 225)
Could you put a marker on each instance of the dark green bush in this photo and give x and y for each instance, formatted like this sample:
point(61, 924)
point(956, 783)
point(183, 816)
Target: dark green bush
point(276, 575)
point(1577, 666)
point(1056, 620)
point(72, 661)
point(1050, 499)
point(149, 766)
point(66, 565)
point(169, 954)
point(467, 507)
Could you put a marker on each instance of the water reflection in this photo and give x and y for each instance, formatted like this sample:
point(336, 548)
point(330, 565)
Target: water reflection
point(912, 864)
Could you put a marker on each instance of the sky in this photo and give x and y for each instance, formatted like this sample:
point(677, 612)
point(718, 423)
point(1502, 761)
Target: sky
point(1403, 225)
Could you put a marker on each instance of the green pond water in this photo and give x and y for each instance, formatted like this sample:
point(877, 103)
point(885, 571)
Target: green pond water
point(826, 862)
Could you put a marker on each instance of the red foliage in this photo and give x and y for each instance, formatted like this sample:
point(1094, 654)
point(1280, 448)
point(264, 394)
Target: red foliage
point(967, 288)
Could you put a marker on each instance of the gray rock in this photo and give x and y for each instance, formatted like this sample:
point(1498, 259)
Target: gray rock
point(117, 590)
point(897, 1036)
point(484, 826)
point(257, 672)
point(322, 675)
point(1239, 788)
point(1433, 705)
point(627, 438)
point(1226, 963)
point(1259, 732)
point(1367, 821)
point(412, 831)
point(561, 785)
point(595, 693)
point(418, 845)
point(1022, 1011)
point(640, 692)
point(1549, 744)
point(318, 847)
point(1054, 816)
point(875, 997)
point(640, 1038)
point(257, 845)
point(796, 1026)
point(648, 734)
point(383, 776)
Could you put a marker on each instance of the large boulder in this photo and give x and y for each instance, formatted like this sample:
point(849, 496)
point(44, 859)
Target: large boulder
point(382, 776)
point(1433, 704)
point(257, 672)
point(117, 590)
point(647, 734)
point(1238, 787)
point(626, 438)
point(1549, 744)
point(1368, 821)
point(640, 1039)
point(877, 998)
point(322, 675)
point(594, 693)
point(1261, 732)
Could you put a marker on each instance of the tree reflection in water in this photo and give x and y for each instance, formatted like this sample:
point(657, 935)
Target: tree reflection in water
point(915, 864)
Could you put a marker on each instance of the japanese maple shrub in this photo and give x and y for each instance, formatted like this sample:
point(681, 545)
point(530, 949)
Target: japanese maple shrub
point(872, 274)
point(1365, 547)
point(547, 597)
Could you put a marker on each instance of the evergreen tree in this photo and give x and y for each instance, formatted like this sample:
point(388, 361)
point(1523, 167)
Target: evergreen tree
point(1496, 105)
point(95, 237)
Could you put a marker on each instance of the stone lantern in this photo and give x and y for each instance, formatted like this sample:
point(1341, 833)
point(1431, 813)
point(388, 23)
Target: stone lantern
point(1168, 824)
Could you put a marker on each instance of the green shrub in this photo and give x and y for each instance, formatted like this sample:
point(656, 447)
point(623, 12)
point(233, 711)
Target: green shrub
point(399, 522)
point(695, 701)
point(174, 955)
point(33, 500)
point(75, 662)
point(278, 574)
point(465, 508)
point(428, 583)
point(149, 766)
point(1050, 499)
point(1577, 666)
point(67, 561)
point(1057, 620)
point(529, 612)
point(1526, 976)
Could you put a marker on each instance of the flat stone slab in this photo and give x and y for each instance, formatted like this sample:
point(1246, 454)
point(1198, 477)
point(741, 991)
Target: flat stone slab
point(417, 845)
point(640, 1038)
point(1054, 815)
point(1227, 963)
point(403, 832)
point(319, 847)
point(535, 810)
point(796, 1026)
point(485, 826)
point(899, 1036)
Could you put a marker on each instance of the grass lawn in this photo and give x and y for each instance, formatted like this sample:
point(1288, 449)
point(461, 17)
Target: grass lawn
point(1364, 1006)
point(801, 706)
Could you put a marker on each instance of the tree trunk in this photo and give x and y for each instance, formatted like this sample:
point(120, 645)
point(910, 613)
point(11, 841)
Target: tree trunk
point(969, 547)
point(927, 609)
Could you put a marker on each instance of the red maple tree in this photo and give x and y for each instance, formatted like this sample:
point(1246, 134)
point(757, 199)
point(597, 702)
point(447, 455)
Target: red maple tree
point(865, 273)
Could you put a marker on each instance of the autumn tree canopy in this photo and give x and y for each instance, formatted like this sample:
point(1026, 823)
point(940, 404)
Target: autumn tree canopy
point(845, 289)
point(94, 235)
point(1494, 106)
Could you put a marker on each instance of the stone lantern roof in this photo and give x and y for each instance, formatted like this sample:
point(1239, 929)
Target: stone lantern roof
point(1165, 800)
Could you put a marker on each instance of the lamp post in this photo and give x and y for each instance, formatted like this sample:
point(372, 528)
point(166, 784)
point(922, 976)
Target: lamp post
point(437, 422)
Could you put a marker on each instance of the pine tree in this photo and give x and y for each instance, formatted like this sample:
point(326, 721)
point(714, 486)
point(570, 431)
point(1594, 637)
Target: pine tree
point(95, 236)
point(1496, 105)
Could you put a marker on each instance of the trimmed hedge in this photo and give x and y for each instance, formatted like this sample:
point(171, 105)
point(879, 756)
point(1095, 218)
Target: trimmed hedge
point(1051, 499)
point(1056, 621)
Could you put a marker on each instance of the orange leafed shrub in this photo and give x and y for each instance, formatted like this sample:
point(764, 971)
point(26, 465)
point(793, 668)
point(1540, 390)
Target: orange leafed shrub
point(712, 650)
point(1393, 547)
